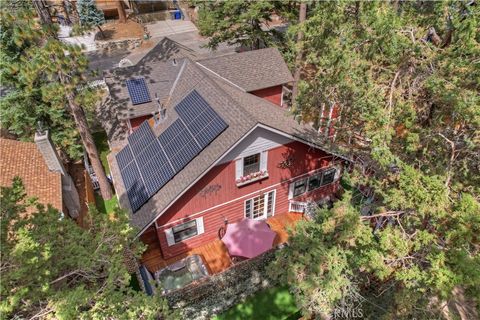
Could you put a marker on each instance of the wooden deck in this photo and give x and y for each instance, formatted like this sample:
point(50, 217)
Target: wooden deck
point(215, 254)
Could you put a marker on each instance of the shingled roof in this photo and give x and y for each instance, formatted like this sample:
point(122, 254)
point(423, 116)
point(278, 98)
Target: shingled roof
point(251, 70)
point(23, 159)
point(226, 91)
point(240, 110)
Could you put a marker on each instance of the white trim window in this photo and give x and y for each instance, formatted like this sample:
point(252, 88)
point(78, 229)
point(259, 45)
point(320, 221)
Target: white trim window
point(260, 207)
point(299, 187)
point(251, 168)
point(184, 231)
point(251, 164)
point(313, 182)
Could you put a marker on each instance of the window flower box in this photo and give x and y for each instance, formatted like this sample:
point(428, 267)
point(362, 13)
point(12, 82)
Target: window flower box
point(252, 177)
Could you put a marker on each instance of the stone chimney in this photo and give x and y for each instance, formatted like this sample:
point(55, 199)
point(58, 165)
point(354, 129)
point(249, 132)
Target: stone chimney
point(69, 192)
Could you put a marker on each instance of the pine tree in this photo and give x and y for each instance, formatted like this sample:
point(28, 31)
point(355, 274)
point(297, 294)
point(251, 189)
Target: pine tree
point(237, 22)
point(405, 76)
point(52, 268)
point(45, 70)
point(90, 15)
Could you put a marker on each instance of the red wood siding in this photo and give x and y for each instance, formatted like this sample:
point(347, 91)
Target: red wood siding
point(218, 188)
point(272, 94)
point(136, 122)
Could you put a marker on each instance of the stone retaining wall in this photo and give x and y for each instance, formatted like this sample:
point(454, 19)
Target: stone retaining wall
point(129, 44)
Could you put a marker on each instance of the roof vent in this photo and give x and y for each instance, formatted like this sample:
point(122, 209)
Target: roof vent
point(125, 63)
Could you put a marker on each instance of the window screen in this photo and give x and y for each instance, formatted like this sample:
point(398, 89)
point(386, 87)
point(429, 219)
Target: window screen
point(185, 231)
point(299, 187)
point(328, 176)
point(251, 164)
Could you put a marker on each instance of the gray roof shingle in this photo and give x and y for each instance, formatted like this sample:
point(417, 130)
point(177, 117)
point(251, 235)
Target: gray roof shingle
point(251, 70)
point(240, 110)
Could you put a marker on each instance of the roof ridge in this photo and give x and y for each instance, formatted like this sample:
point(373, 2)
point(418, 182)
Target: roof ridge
point(217, 87)
point(228, 54)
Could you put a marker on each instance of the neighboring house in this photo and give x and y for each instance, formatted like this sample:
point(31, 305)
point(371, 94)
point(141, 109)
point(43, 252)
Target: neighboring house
point(41, 171)
point(219, 152)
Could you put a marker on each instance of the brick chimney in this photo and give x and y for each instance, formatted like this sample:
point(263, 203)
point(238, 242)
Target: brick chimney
point(69, 192)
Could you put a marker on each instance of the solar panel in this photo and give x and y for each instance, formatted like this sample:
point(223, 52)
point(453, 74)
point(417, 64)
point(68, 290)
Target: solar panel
point(176, 144)
point(185, 155)
point(149, 168)
point(138, 91)
point(191, 106)
point(137, 196)
point(131, 175)
point(124, 157)
point(149, 152)
point(201, 120)
point(147, 163)
point(156, 181)
point(210, 132)
point(141, 138)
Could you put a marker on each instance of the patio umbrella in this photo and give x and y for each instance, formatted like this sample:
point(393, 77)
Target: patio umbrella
point(248, 238)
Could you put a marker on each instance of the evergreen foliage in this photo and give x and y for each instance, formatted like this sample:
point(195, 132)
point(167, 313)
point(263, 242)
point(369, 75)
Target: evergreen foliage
point(30, 97)
point(238, 22)
point(52, 268)
point(405, 76)
point(89, 14)
point(45, 81)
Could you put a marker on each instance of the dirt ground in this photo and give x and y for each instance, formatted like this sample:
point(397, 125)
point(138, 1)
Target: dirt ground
point(76, 171)
point(117, 31)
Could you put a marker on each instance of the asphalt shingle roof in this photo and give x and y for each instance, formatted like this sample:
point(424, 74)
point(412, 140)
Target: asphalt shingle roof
point(242, 112)
point(23, 159)
point(251, 70)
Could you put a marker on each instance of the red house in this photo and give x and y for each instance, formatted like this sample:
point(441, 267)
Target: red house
point(222, 150)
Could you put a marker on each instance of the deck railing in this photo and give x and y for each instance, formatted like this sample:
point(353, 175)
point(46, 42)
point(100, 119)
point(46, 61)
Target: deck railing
point(297, 206)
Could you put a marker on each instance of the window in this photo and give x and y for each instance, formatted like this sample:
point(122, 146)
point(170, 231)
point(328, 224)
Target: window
point(314, 182)
point(251, 168)
point(299, 187)
point(328, 176)
point(185, 231)
point(260, 207)
point(251, 164)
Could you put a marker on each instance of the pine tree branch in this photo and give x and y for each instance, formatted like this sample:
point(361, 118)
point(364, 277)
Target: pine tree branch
point(385, 214)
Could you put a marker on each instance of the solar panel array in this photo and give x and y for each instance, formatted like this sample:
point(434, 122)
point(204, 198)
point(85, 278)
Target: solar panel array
point(147, 163)
point(138, 91)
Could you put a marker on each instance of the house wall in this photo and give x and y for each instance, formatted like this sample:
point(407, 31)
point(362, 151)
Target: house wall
point(136, 122)
point(272, 94)
point(217, 197)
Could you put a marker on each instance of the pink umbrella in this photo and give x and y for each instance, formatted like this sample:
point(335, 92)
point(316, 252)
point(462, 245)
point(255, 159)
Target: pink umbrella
point(248, 238)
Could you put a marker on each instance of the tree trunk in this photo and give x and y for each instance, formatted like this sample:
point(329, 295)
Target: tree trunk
point(298, 59)
point(89, 144)
point(122, 16)
point(42, 11)
point(65, 11)
point(101, 32)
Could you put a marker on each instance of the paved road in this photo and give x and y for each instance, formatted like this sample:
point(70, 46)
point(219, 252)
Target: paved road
point(167, 28)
